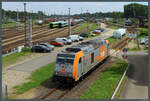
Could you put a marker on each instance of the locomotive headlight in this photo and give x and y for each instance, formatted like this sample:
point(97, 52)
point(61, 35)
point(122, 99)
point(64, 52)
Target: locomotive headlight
point(56, 73)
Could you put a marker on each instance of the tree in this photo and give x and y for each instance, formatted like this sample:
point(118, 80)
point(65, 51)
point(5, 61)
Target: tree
point(135, 10)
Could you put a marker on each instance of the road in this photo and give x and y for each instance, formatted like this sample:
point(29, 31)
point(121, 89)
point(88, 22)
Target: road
point(136, 86)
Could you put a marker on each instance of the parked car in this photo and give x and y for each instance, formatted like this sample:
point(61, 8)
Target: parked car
point(74, 38)
point(96, 32)
point(80, 38)
point(144, 40)
point(64, 40)
point(128, 23)
point(55, 43)
point(51, 47)
point(100, 29)
point(84, 35)
point(40, 48)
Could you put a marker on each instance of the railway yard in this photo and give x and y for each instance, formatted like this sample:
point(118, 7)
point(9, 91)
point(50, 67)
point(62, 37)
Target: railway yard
point(88, 58)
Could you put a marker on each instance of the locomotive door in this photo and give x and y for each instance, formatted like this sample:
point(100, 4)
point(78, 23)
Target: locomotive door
point(81, 67)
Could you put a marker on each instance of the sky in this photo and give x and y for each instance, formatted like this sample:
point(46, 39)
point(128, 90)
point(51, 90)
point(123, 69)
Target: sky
point(62, 7)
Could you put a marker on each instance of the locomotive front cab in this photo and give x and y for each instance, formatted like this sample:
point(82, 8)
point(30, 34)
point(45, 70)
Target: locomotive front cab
point(64, 66)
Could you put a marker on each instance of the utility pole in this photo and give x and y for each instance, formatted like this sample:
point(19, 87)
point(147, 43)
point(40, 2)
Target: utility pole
point(87, 22)
point(32, 18)
point(17, 20)
point(25, 23)
point(81, 12)
point(69, 25)
point(5, 21)
point(30, 31)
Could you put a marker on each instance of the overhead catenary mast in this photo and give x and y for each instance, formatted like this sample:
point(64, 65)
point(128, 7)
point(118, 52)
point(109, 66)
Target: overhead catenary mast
point(5, 20)
point(30, 30)
point(69, 23)
point(17, 24)
point(25, 23)
point(87, 22)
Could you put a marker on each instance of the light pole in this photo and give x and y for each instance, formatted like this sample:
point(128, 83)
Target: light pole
point(25, 23)
point(69, 26)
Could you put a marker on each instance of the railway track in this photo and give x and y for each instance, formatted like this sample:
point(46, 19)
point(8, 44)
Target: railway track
point(20, 28)
point(37, 37)
point(61, 92)
point(15, 33)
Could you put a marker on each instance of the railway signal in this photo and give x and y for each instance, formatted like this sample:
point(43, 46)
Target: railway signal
point(124, 55)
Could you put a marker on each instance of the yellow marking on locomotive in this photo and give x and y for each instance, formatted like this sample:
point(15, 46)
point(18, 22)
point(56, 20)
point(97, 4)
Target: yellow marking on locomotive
point(76, 61)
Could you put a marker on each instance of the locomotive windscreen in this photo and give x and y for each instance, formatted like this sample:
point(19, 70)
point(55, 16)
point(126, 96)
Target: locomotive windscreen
point(66, 55)
point(65, 58)
point(73, 49)
point(64, 61)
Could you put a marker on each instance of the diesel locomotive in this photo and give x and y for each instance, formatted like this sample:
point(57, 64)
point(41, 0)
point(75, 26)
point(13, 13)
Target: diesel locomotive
point(75, 61)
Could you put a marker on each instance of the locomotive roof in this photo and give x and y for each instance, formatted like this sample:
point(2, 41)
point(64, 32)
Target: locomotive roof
point(85, 46)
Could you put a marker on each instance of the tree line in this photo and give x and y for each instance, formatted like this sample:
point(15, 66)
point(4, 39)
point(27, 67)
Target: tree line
point(133, 10)
point(130, 11)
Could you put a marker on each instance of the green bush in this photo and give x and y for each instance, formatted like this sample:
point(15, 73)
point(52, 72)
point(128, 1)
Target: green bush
point(26, 49)
point(143, 32)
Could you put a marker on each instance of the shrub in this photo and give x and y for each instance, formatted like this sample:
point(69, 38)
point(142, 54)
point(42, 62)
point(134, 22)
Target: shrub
point(26, 49)
point(143, 32)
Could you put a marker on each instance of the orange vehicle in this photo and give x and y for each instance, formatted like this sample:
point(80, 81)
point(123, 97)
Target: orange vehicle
point(75, 61)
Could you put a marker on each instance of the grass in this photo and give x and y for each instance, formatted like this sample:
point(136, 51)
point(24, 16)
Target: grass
point(145, 48)
point(93, 35)
point(3, 96)
point(13, 58)
point(36, 78)
point(142, 32)
point(114, 27)
point(105, 85)
point(120, 88)
point(134, 49)
point(124, 80)
point(83, 25)
point(111, 40)
point(92, 26)
point(10, 24)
